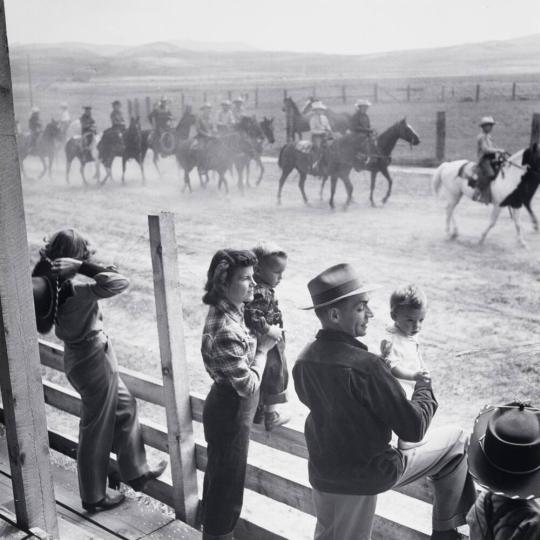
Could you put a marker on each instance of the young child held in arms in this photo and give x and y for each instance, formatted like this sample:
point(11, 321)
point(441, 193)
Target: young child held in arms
point(401, 349)
point(504, 459)
point(263, 316)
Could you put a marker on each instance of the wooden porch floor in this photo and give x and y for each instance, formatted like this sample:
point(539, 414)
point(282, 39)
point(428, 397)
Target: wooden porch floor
point(133, 520)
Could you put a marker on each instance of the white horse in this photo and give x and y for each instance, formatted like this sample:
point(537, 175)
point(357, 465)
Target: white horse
point(454, 177)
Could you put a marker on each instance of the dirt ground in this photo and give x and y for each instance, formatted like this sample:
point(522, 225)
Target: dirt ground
point(481, 332)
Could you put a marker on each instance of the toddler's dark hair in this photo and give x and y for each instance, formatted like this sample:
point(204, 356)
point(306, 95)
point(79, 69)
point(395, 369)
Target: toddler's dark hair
point(221, 270)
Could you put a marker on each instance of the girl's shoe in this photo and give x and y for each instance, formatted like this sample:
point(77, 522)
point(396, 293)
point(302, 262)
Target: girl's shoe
point(108, 502)
point(273, 419)
point(138, 484)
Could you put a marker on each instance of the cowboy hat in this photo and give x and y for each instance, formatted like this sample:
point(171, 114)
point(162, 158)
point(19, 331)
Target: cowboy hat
point(87, 107)
point(487, 120)
point(318, 105)
point(206, 105)
point(238, 99)
point(116, 102)
point(334, 284)
point(504, 451)
point(363, 103)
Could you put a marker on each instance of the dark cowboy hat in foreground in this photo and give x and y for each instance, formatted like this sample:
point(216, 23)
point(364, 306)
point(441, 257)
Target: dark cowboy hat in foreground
point(334, 284)
point(504, 451)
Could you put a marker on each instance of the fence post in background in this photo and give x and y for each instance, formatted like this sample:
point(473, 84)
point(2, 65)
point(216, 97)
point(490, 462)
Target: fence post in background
point(477, 97)
point(535, 128)
point(20, 369)
point(375, 92)
point(408, 92)
point(344, 93)
point(256, 98)
point(441, 136)
point(130, 108)
point(284, 93)
point(174, 368)
point(443, 93)
point(148, 104)
point(514, 87)
point(136, 108)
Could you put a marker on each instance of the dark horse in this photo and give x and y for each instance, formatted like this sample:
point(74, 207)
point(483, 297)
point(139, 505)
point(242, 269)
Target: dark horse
point(172, 138)
point(341, 156)
point(295, 122)
point(135, 147)
point(44, 147)
point(339, 121)
point(84, 153)
point(110, 146)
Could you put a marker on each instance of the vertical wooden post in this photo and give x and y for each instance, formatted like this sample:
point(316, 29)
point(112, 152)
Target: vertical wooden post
point(535, 128)
point(174, 365)
point(477, 96)
point(375, 92)
point(514, 88)
point(408, 92)
point(136, 108)
point(344, 94)
point(441, 136)
point(130, 108)
point(20, 369)
point(148, 106)
point(256, 98)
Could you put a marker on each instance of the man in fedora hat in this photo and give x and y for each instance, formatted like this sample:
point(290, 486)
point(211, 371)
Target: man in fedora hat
point(490, 159)
point(504, 458)
point(238, 109)
point(355, 404)
point(321, 132)
point(361, 125)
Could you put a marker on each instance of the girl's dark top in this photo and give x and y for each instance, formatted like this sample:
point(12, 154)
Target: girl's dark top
point(355, 404)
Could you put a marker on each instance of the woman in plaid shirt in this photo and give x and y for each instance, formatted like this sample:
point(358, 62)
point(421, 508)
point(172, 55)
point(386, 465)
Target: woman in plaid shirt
point(235, 360)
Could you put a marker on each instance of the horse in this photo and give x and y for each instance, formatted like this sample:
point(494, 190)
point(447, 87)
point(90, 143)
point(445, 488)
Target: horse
point(168, 140)
point(456, 176)
point(110, 146)
point(43, 147)
point(296, 122)
point(84, 153)
point(341, 156)
point(339, 122)
point(135, 147)
point(257, 132)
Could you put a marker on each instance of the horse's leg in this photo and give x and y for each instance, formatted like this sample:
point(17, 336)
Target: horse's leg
point(248, 185)
point(187, 181)
point(534, 219)
point(284, 174)
point(44, 165)
point(451, 226)
point(323, 182)
point(386, 174)
point(515, 214)
point(349, 187)
point(124, 161)
point(301, 185)
point(223, 180)
point(140, 161)
point(82, 173)
point(492, 220)
point(372, 188)
point(261, 169)
point(155, 160)
point(333, 184)
point(240, 170)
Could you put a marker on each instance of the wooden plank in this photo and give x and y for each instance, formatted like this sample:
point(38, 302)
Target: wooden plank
point(441, 135)
point(535, 128)
point(20, 372)
point(174, 368)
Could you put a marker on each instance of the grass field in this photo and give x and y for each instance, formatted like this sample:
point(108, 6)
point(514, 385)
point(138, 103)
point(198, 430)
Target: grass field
point(481, 332)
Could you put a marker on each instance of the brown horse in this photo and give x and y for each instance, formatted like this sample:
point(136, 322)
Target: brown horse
point(44, 147)
point(341, 156)
point(295, 122)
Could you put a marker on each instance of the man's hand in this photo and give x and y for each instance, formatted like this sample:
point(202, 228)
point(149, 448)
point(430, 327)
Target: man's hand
point(275, 332)
point(422, 376)
point(265, 343)
point(65, 266)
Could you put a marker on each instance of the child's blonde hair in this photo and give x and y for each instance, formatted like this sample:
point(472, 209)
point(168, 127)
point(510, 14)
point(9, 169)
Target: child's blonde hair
point(266, 250)
point(411, 296)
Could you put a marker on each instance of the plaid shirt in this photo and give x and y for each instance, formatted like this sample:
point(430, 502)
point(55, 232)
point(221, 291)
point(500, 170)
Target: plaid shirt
point(228, 349)
point(263, 311)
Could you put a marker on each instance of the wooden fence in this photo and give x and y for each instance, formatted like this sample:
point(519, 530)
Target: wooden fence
point(186, 451)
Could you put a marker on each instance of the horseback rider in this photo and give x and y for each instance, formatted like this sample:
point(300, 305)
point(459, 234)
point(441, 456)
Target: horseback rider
point(205, 132)
point(161, 116)
point(117, 118)
point(65, 118)
point(361, 124)
point(88, 128)
point(225, 118)
point(490, 159)
point(238, 110)
point(35, 126)
point(321, 132)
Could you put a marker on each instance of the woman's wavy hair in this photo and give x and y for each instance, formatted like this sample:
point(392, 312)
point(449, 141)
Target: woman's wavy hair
point(221, 271)
point(67, 243)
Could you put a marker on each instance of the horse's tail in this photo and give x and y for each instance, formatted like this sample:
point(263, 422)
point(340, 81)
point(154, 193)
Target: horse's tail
point(280, 157)
point(436, 181)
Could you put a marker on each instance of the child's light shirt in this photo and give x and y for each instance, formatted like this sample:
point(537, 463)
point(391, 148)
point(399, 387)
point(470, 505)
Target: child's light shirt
point(405, 353)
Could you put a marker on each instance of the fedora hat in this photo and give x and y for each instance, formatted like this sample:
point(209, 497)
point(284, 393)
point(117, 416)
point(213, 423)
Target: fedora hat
point(334, 284)
point(363, 103)
point(504, 451)
point(487, 120)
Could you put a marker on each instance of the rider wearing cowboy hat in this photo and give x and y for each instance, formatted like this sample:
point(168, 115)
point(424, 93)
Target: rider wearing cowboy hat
point(321, 131)
point(35, 126)
point(361, 124)
point(88, 127)
point(117, 118)
point(225, 117)
point(504, 459)
point(489, 160)
point(205, 131)
point(238, 109)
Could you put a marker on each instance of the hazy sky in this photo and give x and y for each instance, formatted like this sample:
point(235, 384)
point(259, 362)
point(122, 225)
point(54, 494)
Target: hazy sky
point(340, 26)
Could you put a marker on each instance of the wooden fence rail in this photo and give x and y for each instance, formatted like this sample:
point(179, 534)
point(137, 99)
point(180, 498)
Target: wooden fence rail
point(289, 489)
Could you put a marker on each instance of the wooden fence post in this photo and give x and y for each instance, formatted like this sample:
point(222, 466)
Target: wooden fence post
point(256, 98)
point(441, 136)
point(148, 106)
point(20, 369)
point(136, 108)
point(130, 108)
point(477, 96)
point(535, 128)
point(514, 88)
point(375, 92)
point(344, 94)
point(174, 365)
